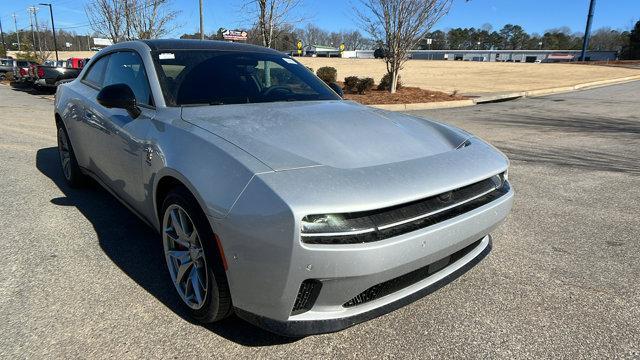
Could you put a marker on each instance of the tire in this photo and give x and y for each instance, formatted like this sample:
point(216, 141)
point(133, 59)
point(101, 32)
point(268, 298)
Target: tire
point(68, 163)
point(181, 247)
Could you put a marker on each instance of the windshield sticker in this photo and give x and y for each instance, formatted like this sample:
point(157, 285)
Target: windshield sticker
point(290, 61)
point(167, 56)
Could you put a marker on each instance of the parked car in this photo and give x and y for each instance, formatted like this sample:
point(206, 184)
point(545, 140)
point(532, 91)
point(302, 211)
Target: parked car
point(6, 66)
point(50, 76)
point(23, 71)
point(275, 198)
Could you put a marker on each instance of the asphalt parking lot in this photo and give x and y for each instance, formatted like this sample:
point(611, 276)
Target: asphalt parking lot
point(81, 277)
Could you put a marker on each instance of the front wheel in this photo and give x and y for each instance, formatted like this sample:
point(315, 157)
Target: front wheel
point(194, 265)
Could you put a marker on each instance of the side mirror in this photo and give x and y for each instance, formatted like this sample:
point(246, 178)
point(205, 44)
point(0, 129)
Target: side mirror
point(119, 96)
point(335, 87)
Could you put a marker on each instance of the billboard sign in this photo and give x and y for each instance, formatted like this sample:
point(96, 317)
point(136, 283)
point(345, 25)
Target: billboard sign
point(234, 35)
point(102, 42)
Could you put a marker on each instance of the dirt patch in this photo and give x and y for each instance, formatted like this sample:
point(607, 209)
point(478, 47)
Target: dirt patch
point(406, 95)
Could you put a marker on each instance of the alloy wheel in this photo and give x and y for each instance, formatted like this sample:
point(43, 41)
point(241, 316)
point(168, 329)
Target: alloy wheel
point(185, 256)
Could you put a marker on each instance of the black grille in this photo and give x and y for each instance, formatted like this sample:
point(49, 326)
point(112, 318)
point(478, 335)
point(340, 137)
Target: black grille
point(401, 282)
point(388, 222)
point(307, 295)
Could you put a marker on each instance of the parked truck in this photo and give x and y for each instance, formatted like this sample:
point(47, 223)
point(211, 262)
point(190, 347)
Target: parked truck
point(50, 76)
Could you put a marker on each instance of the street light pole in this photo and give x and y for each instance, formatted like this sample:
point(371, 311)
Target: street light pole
point(201, 23)
point(587, 31)
point(53, 27)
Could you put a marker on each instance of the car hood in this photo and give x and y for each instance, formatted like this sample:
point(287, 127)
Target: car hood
point(339, 134)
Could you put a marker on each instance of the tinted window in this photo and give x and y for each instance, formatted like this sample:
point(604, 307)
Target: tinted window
point(126, 68)
point(226, 77)
point(95, 76)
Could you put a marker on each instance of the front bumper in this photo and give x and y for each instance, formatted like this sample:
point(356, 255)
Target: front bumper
point(298, 328)
point(265, 272)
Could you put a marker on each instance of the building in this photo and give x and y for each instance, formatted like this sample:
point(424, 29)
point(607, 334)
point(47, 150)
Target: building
point(503, 55)
point(321, 51)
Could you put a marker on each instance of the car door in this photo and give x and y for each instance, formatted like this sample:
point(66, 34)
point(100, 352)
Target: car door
point(117, 153)
point(84, 131)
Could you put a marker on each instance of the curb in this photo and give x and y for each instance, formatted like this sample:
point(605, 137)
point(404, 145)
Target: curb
point(425, 106)
point(505, 97)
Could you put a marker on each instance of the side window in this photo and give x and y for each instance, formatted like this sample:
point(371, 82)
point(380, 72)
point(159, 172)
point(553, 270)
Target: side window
point(126, 68)
point(95, 75)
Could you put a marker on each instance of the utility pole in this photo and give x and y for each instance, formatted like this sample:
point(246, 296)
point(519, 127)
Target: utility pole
point(35, 19)
point(53, 28)
point(32, 11)
point(4, 45)
point(201, 23)
point(587, 31)
point(33, 34)
point(15, 23)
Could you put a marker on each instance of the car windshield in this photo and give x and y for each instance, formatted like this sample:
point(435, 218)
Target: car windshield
point(231, 77)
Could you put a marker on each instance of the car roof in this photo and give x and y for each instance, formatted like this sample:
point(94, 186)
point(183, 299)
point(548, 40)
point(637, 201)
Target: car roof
point(184, 44)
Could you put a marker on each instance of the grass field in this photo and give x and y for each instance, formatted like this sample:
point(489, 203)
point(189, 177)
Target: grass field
point(468, 77)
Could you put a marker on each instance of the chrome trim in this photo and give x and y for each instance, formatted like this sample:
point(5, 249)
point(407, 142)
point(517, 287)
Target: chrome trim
point(345, 233)
point(437, 211)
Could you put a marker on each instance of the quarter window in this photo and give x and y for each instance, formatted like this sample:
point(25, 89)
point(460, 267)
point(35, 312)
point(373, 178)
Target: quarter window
point(95, 76)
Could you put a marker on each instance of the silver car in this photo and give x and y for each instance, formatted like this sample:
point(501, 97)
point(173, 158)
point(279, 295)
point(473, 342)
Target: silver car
point(301, 212)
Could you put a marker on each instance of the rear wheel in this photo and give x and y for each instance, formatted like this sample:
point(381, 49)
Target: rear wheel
point(194, 265)
point(68, 162)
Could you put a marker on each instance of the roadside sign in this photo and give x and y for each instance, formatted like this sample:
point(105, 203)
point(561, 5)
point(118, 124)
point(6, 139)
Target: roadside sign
point(299, 46)
point(102, 42)
point(342, 47)
point(237, 35)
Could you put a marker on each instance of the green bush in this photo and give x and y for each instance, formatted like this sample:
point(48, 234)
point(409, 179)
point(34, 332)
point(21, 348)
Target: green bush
point(385, 83)
point(351, 83)
point(364, 85)
point(327, 74)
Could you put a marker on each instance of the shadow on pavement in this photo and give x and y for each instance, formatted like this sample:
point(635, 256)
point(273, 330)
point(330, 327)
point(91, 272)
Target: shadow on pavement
point(29, 89)
point(136, 249)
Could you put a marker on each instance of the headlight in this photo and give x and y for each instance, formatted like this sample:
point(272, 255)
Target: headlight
point(335, 224)
point(337, 229)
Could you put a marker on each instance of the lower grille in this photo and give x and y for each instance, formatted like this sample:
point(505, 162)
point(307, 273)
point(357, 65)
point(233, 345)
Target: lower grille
point(403, 281)
point(307, 295)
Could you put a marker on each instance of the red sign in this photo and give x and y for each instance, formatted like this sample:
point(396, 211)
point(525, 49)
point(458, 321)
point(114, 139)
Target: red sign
point(236, 35)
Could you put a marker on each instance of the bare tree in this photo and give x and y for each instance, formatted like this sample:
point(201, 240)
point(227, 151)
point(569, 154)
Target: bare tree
point(107, 18)
point(353, 40)
point(120, 20)
point(150, 19)
point(400, 25)
point(313, 35)
point(271, 17)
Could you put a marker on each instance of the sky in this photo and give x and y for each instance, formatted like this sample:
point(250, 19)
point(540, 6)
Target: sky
point(333, 15)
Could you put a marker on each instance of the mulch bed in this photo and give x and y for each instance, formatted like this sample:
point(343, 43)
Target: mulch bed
point(405, 95)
